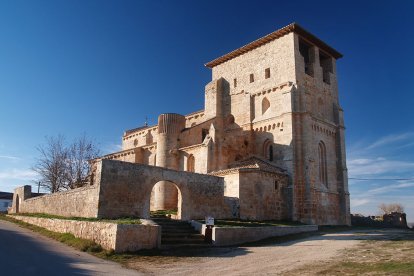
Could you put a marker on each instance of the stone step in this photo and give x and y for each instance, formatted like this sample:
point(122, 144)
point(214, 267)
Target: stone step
point(176, 233)
point(182, 241)
point(182, 238)
point(182, 234)
point(185, 245)
point(173, 228)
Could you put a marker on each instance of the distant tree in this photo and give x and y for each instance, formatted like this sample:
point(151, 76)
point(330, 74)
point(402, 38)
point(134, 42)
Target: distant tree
point(51, 165)
point(390, 208)
point(63, 166)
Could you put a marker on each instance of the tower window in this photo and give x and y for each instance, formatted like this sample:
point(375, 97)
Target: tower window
point(267, 73)
point(265, 105)
point(204, 133)
point(323, 174)
point(235, 83)
point(190, 163)
point(306, 52)
point(276, 185)
point(251, 78)
point(326, 63)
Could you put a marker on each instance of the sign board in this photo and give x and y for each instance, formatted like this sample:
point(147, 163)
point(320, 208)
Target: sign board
point(209, 221)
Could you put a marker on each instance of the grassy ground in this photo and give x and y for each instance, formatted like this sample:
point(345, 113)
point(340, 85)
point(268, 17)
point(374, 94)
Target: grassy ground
point(117, 221)
point(377, 256)
point(164, 213)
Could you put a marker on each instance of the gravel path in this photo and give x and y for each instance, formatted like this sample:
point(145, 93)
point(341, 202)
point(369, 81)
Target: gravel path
point(260, 260)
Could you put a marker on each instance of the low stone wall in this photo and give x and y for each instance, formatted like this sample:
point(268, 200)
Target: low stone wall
point(119, 237)
point(80, 202)
point(237, 235)
point(223, 236)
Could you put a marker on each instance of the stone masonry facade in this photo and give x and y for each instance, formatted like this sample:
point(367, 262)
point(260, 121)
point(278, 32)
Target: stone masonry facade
point(269, 143)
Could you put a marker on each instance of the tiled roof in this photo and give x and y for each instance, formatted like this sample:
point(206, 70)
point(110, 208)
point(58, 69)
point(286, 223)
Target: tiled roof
point(255, 163)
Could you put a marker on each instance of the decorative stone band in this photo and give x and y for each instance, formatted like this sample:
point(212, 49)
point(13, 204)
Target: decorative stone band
point(277, 87)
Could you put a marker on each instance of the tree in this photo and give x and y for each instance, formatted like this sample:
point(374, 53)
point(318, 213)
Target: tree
point(64, 166)
point(51, 164)
point(390, 208)
point(78, 168)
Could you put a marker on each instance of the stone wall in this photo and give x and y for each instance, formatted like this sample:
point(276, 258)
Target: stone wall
point(224, 236)
point(395, 219)
point(80, 202)
point(119, 237)
point(125, 190)
point(263, 196)
point(236, 235)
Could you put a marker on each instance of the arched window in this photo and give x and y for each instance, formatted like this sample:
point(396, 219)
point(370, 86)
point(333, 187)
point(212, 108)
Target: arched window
point(148, 138)
point(268, 150)
point(265, 105)
point(230, 119)
point(323, 174)
point(190, 163)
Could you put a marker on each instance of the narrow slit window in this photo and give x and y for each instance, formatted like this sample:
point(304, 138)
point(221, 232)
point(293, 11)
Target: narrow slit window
point(251, 78)
point(267, 73)
point(235, 83)
point(323, 174)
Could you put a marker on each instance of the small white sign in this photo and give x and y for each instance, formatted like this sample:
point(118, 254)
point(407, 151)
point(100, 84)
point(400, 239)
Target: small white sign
point(209, 221)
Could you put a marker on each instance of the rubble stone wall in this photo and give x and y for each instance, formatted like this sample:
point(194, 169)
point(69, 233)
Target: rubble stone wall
point(118, 237)
point(80, 202)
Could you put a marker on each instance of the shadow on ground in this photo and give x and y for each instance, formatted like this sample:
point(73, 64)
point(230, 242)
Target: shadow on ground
point(23, 255)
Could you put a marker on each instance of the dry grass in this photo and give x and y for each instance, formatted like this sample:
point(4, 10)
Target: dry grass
point(381, 255)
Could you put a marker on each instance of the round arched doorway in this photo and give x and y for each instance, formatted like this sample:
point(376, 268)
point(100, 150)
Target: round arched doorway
point(166, 200)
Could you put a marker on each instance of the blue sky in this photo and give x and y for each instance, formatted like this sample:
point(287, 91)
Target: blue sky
point(100, 67)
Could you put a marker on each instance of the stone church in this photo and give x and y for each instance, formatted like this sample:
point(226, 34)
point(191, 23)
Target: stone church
point(272, 127)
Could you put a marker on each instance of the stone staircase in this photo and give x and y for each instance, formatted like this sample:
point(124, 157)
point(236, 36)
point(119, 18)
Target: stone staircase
point(177, 233)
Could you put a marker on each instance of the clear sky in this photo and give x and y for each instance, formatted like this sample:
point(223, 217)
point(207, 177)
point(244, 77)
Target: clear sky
point(100, 67)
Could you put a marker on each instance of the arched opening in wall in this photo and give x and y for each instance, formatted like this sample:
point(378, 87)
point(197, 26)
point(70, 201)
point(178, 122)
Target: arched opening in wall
point(265, 105)
point(268, 150)
point(191, 163)
point(148, 138)
point(17, 204)
point(165, 200)
point(230, 119)
point(323, 173)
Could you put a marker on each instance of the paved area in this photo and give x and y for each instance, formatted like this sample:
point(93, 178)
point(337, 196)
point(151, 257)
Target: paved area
point(23, 252)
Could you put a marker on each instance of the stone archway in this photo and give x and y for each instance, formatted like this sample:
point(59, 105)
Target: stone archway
point(166, 197)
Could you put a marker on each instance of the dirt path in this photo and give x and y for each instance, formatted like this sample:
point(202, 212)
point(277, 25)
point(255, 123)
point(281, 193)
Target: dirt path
point(270, 259)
